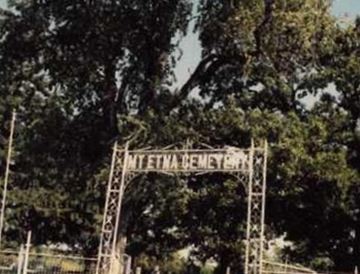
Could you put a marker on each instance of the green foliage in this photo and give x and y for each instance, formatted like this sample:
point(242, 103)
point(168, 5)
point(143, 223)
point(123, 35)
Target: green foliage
point(83, 74)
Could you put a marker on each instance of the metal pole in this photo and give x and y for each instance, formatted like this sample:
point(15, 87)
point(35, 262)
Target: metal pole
point(128, 265)
point(27, 251)
point(249, 195)
point(7, 172)
point(263, 207)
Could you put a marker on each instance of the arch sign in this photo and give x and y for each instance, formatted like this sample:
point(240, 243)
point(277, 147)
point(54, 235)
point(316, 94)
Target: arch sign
point(247, 165)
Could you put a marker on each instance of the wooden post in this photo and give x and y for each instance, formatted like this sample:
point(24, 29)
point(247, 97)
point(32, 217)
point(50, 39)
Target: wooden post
point(228, 270)
point(138, 270)
point(7, 172)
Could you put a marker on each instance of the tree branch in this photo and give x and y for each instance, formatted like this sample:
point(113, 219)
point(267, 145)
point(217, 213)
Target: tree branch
point(196, 75)
point(207, 67)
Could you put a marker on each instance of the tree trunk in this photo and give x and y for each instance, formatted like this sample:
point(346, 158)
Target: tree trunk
point(109, 102)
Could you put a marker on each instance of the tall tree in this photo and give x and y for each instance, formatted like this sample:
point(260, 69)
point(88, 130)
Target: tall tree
point(70, 68)
point(343, 71)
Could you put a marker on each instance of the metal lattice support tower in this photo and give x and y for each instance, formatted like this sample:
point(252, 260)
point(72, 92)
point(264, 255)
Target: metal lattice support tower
point(256, 211)
point(111, 218)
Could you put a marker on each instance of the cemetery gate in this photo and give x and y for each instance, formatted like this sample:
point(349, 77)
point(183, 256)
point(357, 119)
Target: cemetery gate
point(247, 165)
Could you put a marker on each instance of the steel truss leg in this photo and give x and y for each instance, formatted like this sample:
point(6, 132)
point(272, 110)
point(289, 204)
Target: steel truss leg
point(111, 219)
point(256, 211)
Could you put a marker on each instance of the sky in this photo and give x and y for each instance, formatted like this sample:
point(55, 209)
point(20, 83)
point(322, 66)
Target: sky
point(349, 7)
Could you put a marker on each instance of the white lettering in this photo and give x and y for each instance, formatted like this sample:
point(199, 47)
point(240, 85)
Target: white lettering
point(193, 161)
point(141, 161)
point(132, 160)
point(238, 160)
point(218, 159)
point(212, 161)
point(185, 161)
point(151, 162)
point(174, 163)
point(188, 161)
point(203, 161)
point(158, 161)
point(166, 161)
point(228, 162)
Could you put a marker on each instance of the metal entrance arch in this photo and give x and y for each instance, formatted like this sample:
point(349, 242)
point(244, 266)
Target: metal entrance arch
point(248, 165)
